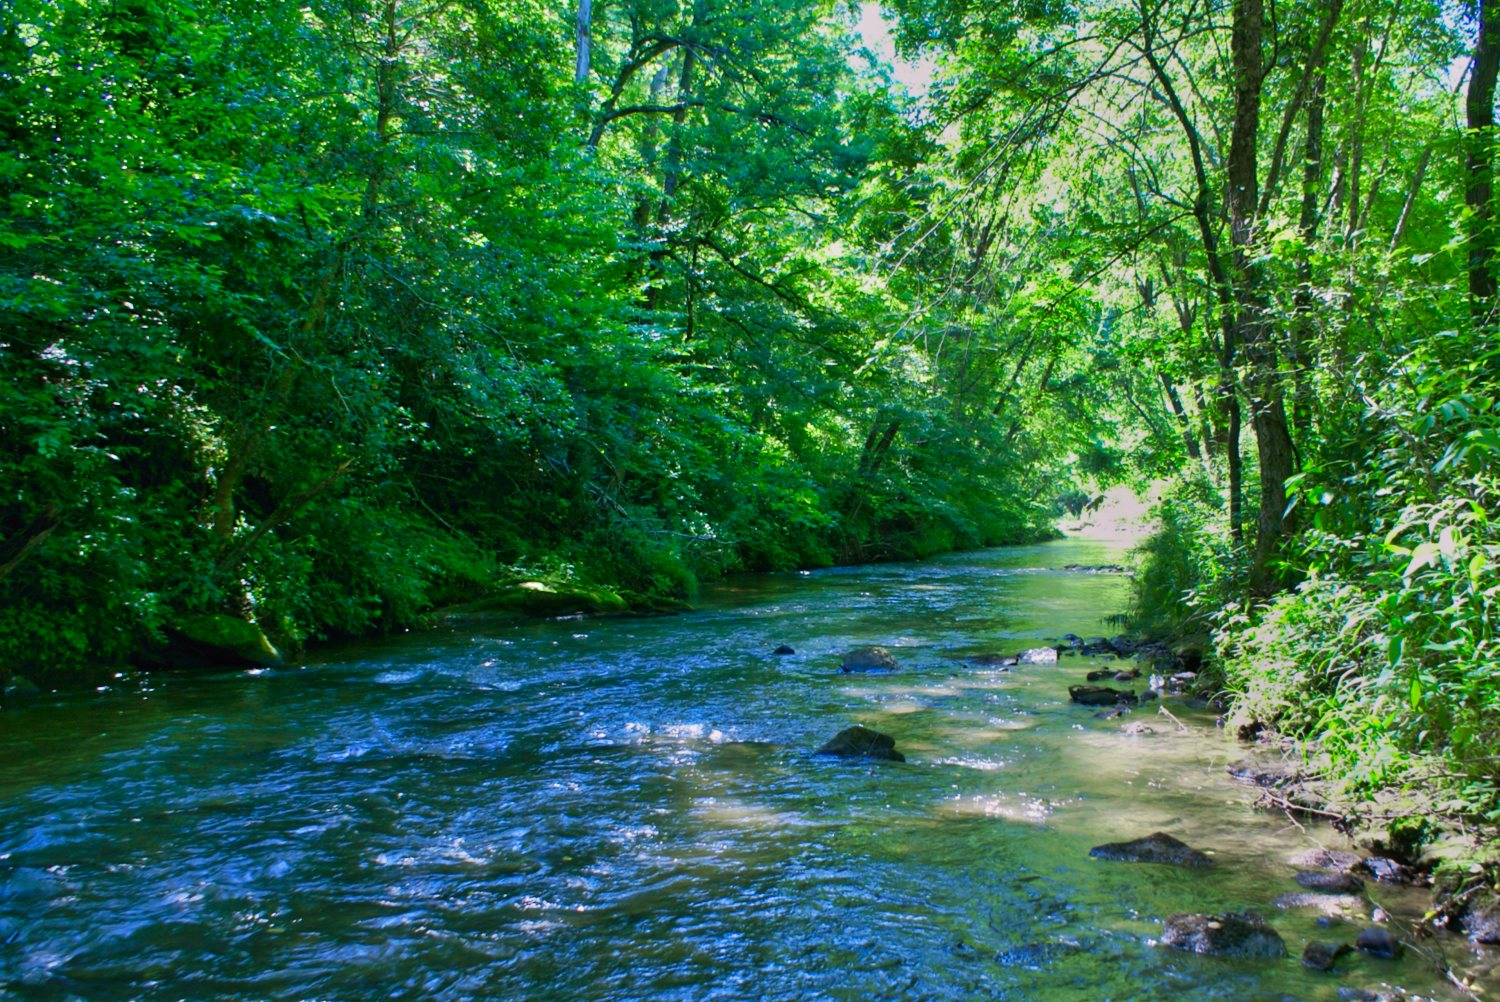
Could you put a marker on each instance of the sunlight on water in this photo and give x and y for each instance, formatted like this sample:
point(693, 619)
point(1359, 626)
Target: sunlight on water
point(630, 809)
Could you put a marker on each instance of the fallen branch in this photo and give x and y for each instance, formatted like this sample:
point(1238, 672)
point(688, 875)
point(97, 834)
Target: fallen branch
point(34, 535)
point(1162, 710)
point(236, 554)
point(1270, 798)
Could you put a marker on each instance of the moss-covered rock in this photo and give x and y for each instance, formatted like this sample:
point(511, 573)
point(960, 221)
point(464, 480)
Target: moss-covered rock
point(543, 598)
point(19, 691)
point(214, 640)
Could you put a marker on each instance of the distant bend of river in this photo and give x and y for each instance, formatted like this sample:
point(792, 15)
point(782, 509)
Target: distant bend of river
point(629, 809)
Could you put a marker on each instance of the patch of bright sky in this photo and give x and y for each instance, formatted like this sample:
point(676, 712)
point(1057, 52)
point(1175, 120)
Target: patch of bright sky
point(875, 29)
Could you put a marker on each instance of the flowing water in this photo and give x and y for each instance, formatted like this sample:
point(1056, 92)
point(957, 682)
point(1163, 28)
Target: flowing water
point(629, 809)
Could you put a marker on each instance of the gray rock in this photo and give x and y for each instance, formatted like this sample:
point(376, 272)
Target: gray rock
point(1274, 774)
point(1480, 920)
point(1329, 882)
point(861, 742)
point(1138, 730)
point(1348, 994)
point(869, 659)
point(1335, 905)
point(1039, 656)
point(1378, 942)
point(1099, 695)
point(20, 690)
point(1100, 674)
point(1388, 871)
point(1322, 956)
point(1235, 934)
point(1158, 847)
point(1328, 859)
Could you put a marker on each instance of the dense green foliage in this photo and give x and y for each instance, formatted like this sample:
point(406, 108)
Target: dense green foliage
point(1281, 214)
point(331, 314)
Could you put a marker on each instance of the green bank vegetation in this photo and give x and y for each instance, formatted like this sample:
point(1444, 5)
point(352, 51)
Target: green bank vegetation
point(330, 315)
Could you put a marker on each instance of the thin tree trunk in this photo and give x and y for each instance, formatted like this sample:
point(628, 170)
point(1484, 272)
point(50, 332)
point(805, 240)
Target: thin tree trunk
point(1184, 421)
point(1301, 348)
point(13, 551)
point(1411, 198)
point(1356, 135)
point(585, 41)
point(1263, 381)
point(1480, 142)
point(671, 175)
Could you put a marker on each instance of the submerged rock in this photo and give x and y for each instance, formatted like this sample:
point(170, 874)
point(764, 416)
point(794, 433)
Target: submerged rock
point(1378, 942)
point(1118, 710)
point(869, 659)
point(995, 660)
point(1100, 674)
point(1099, 695)
point(784, 649)
point(1351, 994)
point(1332, 905)
point(1480, 919)
point(19, 690)
point(1329, 882)
point(1138, 730)
point(1388, 871)
point(1158, 847)
point(861, 742)
point(1235, 934)
point(1322, 956)
point(1328, 859)
point(1272, 774)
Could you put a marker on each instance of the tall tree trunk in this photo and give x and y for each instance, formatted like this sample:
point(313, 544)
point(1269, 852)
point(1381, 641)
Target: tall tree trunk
point(1301, 347)
point(585, 41)
point(1184, 420)
point(650, 133)
point(671, 174)
point(1220, 280)
point(1411, 197)
point(386, 83)
point(1480, 155)
point(1252, 323)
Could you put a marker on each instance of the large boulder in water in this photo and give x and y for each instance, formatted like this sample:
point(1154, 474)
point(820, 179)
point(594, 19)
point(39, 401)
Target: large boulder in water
point(869, 659)
point(1329, 881)
point(1100, 695)
point(861, 742)
point(1235, 934)
point(1158, 847)
point(19, 690)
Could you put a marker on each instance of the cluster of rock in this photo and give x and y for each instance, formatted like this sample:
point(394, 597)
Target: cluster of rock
point(1332, 882)
point(1325, 873)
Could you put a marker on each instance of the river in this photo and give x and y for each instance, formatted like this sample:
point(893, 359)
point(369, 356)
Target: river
point(629, 809)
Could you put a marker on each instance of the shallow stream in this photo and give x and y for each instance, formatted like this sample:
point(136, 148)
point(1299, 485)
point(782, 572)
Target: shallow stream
point(629, 809)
